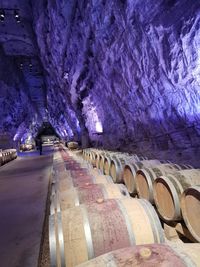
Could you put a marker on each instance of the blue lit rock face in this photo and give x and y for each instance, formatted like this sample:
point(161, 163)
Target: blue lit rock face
point(19, 117)
point(16, 113)
point(127, 68)
point(134, 66)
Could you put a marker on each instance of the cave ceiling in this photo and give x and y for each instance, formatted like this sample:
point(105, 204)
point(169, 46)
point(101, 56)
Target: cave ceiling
point(115, 72)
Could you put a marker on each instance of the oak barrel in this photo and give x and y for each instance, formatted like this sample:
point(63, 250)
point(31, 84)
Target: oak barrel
point(85, 195)
point(106, 167)
point(154, 255)
point(190, 207)
point(94, 171)
point(145, 177)
point(97, 159)
point(168, 189)
point(129, 172)
point(65, 181)
point(92, 158)
point(87, 231)
point(116, 169)
point(72, 145)
point(101, 161)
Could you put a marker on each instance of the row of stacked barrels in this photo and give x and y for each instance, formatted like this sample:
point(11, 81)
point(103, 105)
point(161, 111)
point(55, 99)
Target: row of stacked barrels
point(7, 155)
point(94, 222)
point(174, 189)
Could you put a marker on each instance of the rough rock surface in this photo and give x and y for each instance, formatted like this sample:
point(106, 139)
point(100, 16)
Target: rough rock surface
point(124, 73)
point(17, 117)
point(133, 66)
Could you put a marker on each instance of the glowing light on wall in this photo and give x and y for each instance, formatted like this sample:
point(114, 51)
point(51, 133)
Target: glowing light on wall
point(16, 137)
point(93, 122)
point(99, 127)
point(29, 138)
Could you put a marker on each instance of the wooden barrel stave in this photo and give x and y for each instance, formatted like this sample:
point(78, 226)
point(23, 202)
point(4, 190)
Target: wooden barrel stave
point(190, 207)
point(62, 200)
point(66, 180)
point(129, 173)
point(97, 228)
point(168, 190)
point(116, 169)
point(145, 177)
point(107, 162)
point(149, 255)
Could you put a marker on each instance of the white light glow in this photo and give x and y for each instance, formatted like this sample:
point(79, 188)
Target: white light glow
point(99, 128)
point(15, 137)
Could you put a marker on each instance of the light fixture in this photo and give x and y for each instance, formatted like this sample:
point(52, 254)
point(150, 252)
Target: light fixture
point(18, 20)
point(2, 15)
point(30, 65)
point(17, 16)
point(4, 11)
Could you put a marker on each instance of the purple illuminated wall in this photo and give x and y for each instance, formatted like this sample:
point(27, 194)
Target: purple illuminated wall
point(17, 116)
point(135, 65)
point(127, 68)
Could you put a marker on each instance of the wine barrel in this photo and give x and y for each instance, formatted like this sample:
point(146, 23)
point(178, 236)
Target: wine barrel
point(101, 158)
point(77, 153)
point(94, 171)
point(83, 154)
point(132, 158)
point(102, 179)
point(5, 156)
point(168, 189)
point(66, 181)
point(116, 169)
point(190, 207)
point(129, 173)
point(85, 195)
point(128, 177)
point(113, 165)
point(73, 166)
point(63, 179)
point(107, 162)
point(59, 166)
point(57, 156)
point(1, 158)
point(101, 162)
point(79, 172)
point(104, 158)
point(143, 158)
point(158, 255)
point(145, 177)
point(97, 159)
point(87, 231)
point(13, 153)
point(92, 158)
point(72, 145)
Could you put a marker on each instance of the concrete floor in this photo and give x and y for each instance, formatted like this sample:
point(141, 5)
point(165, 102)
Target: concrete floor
point(23, 193)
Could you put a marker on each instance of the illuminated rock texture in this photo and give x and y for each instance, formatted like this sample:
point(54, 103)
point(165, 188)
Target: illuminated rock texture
point(129, 67)
point(16, 114)
point(133, 67)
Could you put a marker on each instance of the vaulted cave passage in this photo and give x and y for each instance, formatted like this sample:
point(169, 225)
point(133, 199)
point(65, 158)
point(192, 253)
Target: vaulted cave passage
point(100, 91)
point(131, 72)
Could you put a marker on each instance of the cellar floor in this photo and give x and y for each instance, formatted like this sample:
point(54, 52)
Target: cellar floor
point(24, 186)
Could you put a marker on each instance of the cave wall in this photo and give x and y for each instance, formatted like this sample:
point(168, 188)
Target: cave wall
point(131, 66)
point(18, 118)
